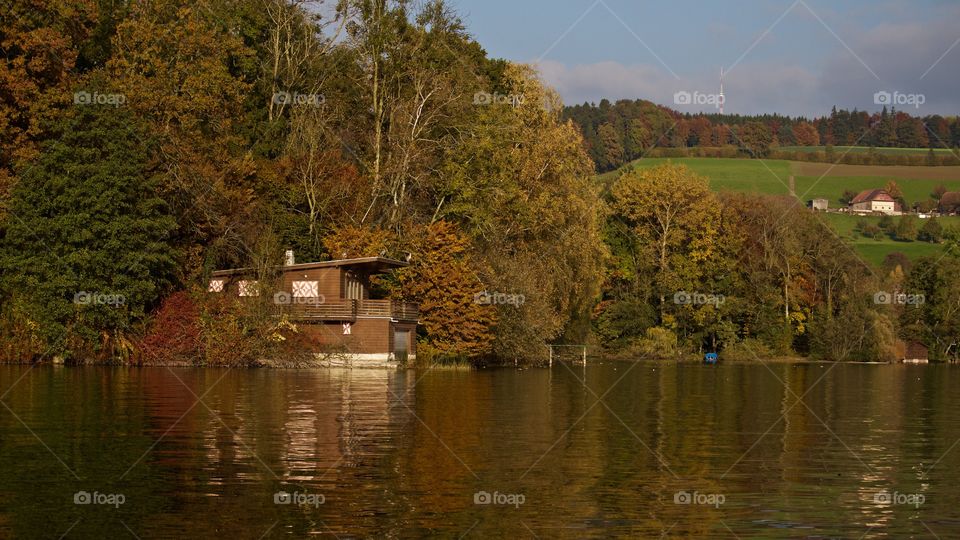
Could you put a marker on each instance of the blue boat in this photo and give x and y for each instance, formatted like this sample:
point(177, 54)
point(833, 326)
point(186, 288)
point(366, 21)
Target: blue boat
point(710, 358)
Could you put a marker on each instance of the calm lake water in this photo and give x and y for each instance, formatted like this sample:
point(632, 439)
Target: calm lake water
point(616, 449)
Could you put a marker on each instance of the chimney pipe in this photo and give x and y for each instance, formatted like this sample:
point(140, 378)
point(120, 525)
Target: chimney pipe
point(288, 259)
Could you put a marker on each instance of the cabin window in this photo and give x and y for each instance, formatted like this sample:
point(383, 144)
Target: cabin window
point(249, 288)
point(216, 285)
point(306, 289)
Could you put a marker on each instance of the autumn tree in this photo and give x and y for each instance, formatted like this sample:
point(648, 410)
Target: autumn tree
point(906, 230)
point(673, 213)
point(40, 41)
point(173, 62)
point(532, 212)
point(806, 134)
point(443, 280)
point(931, 231)
point(407, 95)
point(611, 148)
point(894, 190)
point(754, 138)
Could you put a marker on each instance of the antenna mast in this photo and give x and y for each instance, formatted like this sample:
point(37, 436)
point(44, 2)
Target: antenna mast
point(722, 99)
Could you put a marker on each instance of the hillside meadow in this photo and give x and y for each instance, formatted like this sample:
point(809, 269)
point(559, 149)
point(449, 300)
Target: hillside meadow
point(822, 180)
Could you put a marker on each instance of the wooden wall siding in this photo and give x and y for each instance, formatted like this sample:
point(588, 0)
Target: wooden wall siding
point(332, 282)
point(328, 280)
point(367, 336)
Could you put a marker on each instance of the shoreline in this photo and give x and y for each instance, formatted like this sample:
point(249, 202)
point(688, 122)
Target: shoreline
point(396, 366)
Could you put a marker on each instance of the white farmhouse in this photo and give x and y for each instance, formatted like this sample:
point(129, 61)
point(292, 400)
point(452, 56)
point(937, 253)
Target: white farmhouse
point(874, 200)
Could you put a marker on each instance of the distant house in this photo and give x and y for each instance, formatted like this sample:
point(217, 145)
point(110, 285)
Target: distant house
point(818, 204)
point(331, 301)
point(874, 200)
point(949, 203)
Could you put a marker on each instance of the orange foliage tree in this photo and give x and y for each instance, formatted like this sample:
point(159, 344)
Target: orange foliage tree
point(350, 242)
point(442, 280)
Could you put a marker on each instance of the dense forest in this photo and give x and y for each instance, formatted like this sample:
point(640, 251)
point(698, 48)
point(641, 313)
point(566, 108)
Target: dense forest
point(146, 144)
point(617, 133)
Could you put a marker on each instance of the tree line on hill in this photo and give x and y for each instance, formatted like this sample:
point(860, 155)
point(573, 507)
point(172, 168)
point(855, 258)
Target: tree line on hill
point(620, 132)
point(147, 144)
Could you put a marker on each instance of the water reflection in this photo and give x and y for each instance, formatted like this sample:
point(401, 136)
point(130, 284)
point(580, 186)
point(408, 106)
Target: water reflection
point(639, 450)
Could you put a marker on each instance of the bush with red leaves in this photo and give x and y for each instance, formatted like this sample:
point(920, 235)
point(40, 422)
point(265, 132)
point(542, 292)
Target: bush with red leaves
point(174, 336)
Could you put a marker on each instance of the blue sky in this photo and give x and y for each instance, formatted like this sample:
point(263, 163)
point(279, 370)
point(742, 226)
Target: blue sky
point(795, 57)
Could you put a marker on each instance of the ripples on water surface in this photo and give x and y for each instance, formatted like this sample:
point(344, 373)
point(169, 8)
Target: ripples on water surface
point(404, 454)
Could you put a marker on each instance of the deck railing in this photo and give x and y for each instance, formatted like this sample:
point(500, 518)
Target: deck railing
point(386, 308)
point(330, 310)
point(349, 310)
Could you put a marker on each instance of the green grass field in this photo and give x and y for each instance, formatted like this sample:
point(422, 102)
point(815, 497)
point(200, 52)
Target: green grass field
point(746, 175)
point(832, 187)
point(824, 181)
point(863, 149)
point(874, 251)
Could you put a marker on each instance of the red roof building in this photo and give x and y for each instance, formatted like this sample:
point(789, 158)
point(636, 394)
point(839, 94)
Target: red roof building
point(874, 200)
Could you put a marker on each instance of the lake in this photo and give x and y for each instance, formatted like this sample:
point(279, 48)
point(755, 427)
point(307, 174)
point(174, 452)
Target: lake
point(614, 449)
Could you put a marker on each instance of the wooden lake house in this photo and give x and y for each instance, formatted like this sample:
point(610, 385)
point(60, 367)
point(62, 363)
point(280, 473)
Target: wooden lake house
point(331, 302)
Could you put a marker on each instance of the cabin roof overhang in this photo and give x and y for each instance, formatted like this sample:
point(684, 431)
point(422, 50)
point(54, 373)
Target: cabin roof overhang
point(368, 265)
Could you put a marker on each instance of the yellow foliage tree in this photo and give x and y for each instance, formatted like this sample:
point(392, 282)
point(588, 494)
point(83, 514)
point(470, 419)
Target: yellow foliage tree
point(674, 213)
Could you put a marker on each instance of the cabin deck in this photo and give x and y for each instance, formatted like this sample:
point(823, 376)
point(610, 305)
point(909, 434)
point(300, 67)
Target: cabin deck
point(351, 310)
